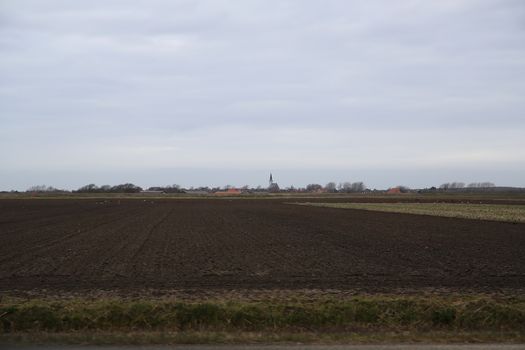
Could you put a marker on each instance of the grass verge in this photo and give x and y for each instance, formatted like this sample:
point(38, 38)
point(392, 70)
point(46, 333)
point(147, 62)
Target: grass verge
point(264, 337)
point(509, 213)
point(358, 319)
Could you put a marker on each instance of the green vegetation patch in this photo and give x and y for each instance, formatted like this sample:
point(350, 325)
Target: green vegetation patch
point(498, 212)
point(266, 337)
point(468, 313)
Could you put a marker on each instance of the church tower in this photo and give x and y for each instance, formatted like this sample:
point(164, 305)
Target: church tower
point(270, 182)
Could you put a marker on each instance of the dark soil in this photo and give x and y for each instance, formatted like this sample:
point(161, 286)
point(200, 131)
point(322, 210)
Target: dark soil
point(128, 245)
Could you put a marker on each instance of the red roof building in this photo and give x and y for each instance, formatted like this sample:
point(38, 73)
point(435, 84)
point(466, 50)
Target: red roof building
point(229, 192)
point(394, 190)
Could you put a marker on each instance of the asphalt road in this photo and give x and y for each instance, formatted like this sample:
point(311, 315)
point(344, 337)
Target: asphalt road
point(273, 347)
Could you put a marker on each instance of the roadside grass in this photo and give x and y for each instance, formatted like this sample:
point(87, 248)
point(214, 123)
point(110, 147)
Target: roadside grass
point(263, 337)
point(497, 212)
point(357, 319)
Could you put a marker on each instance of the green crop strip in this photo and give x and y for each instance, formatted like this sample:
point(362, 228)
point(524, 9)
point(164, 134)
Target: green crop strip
point(375, 312)
point(508, 213)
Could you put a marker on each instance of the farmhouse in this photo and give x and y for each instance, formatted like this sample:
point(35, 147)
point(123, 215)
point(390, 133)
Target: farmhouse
point(229, 192)
point(394, 190)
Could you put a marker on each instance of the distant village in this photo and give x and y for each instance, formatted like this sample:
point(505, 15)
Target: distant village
point(274, 188)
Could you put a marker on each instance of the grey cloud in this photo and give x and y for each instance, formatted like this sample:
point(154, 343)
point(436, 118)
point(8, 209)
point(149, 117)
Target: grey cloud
point(118, 70)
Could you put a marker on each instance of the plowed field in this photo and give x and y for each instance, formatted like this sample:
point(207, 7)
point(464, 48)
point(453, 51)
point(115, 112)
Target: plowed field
point(72, 245)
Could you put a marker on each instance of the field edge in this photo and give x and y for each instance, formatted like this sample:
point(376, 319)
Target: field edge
point(487, 212)
point(246, 338)
point(359, 319)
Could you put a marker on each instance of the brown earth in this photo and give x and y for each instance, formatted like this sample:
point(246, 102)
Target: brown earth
point(130, 245)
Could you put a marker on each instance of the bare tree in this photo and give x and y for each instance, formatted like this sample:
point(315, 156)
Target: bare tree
point(452, 185)
point(481, 185)
point(89, 188)
point(37, 188)
point(445, 186)
point(313, 187)
point(404, 189)
point(43, 188)
point(348, 187)
point(358, 187)
point(345, 187)
point(126, 188)
point(331, 187)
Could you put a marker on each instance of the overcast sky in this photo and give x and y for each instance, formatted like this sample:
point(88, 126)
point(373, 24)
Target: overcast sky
point(223, 92)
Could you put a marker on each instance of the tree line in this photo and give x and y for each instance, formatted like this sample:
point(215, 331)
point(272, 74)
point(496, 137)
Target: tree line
point(459, 185)
point(330, 187)
point(123, 188)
